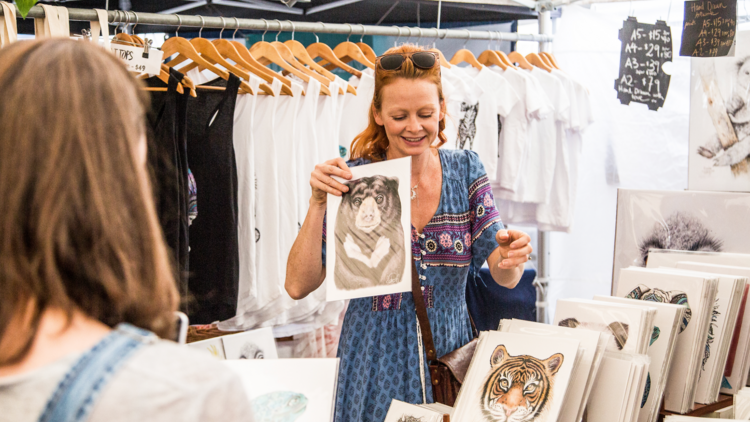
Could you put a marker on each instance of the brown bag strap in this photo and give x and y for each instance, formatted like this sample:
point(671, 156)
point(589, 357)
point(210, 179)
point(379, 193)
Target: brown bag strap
point(424, 321)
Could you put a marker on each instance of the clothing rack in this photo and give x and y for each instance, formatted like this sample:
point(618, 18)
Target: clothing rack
point(544, 38)
point(231, 23)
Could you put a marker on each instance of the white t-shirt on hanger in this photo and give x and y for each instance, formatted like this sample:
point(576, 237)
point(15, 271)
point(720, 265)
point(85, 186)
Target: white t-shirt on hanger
point(463, 94)
point(243, 151)
point(327, 124)
point(558, 214)
point(307, 146)
point(356, 111)
point(536, 180)
point(514, 134)
point(496, 102)
point(267, 218)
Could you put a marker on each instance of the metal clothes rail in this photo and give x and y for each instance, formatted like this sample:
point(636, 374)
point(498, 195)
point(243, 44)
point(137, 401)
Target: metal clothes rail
point(231, 23)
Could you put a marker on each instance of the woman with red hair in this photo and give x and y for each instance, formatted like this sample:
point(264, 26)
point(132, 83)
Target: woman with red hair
point(455, 229)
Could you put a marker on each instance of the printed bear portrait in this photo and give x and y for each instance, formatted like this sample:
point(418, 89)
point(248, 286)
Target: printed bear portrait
point(369, 237)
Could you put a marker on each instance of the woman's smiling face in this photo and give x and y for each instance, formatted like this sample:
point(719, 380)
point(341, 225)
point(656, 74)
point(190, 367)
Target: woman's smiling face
point(410, 113)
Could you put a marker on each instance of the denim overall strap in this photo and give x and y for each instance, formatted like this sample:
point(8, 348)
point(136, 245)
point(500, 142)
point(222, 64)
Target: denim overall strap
point(74, 397)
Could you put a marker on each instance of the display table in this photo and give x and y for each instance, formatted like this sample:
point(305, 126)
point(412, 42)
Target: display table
point(703, 409)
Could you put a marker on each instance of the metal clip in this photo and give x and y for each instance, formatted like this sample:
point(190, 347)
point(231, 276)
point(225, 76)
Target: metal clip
point(86, 34)
point(146, 47)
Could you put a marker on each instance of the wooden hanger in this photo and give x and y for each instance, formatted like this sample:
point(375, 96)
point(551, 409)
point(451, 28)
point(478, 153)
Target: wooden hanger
point(489, 57)
point(366, 49)
point(551, 59)
point(195, 49)
point(319, 49)
point(516, 57)
point(464, 55)
point(347, 51)
point(298, 50)
point(537, 61)
point(8, 25)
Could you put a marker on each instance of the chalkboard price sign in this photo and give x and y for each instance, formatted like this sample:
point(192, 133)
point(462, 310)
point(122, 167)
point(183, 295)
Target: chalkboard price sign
point(645, 49)
point(709, 28)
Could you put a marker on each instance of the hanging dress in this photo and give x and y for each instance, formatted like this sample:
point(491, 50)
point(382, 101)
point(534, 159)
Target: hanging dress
point(378, 346)
point(214, 255)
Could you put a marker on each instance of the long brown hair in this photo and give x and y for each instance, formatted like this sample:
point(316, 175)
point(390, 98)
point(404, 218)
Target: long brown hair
point(372, 143)
point(79, 230)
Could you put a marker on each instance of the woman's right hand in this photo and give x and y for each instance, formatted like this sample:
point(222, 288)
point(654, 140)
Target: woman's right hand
point(322, 183)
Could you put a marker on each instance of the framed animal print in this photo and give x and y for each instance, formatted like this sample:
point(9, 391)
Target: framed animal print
point(289, 390)
point(678, 220)
point(719, 156)
point(255, 344)
point(516, 377)
point(368, 233)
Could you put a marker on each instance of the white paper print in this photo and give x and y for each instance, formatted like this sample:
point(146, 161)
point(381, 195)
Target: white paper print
point(720, 121)
point(213, 347)
point(294, 390)
point(256, 344)
point(679, 220)
point(368, 233)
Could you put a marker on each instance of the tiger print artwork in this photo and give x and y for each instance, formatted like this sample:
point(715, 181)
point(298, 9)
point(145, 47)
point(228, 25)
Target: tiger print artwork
point(518, 388)
point(467, 128)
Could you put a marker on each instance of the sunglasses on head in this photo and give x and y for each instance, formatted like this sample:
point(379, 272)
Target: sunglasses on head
point(421, 59)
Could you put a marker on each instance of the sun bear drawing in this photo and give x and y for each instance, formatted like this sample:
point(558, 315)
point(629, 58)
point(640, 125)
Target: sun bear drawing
point(518, 388)
point(369, 236)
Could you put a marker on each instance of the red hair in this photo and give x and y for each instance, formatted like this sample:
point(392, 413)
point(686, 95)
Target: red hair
point(373, 142)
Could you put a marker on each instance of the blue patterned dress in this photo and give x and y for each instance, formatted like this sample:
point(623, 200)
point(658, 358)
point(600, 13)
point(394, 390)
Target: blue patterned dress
point(379, 346)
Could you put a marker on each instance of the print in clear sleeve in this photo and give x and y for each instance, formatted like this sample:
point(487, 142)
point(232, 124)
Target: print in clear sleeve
point(369, 232)
point(369, 236)
point(518, 388)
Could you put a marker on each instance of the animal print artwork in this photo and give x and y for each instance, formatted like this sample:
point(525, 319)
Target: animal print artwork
point(251, 351)
point(679, 231)
point(279, 406)
point(467, 128)
point(677, 297)
point(710, 340)
point(369, 235)
point(618, 330)
point(409, 418)
point(518, 388)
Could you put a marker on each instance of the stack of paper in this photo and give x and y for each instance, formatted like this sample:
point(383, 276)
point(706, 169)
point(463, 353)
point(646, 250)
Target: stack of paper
point(593, 345)
point(661, 348)
point(697, 293)
point(517, 377)
point(723, 320)
point(300, 390)
point(618, 389)
point(255, 344)
point(629, 326)
point(680, 418)
point(406, 412)
point(742, 404)
point(738, 361)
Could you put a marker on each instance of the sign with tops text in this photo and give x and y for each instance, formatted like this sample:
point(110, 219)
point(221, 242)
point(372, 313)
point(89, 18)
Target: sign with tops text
point(709, 28)
point(645, 49)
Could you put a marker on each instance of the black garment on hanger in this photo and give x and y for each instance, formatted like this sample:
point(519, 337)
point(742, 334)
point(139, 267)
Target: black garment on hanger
point(214, 244)
point(167, 157)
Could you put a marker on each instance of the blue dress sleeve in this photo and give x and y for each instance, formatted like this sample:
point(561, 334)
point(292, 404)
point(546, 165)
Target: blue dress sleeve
point(483, 214)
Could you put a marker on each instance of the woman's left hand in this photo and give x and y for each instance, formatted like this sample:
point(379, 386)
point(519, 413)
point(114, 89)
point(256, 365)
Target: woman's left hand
point(514, 247)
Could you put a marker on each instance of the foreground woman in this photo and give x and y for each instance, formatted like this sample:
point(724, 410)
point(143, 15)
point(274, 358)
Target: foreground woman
point(84, 272)
point(455, 228)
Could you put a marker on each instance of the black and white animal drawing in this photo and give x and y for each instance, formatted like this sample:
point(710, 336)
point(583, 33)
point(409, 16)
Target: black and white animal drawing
point(369, 236)
point(739, 115)
point(251, 351)
point(467, 127)
point(409, 418)
point(680, 231)
point(619, 330)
